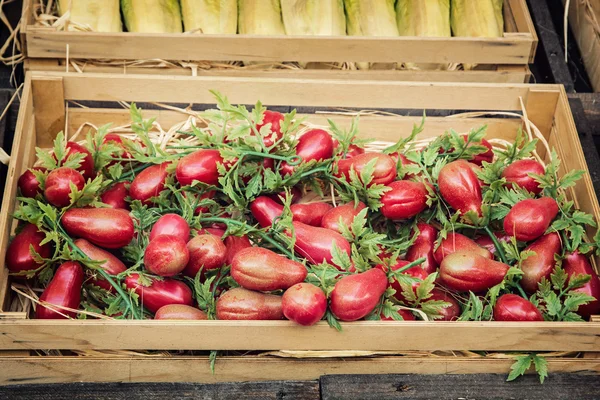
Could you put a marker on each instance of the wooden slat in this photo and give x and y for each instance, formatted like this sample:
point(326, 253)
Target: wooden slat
point(295, 92)
point(522, 18)
point(514, 48)
point(251, 335)
point(251, 368)
point(49, 104)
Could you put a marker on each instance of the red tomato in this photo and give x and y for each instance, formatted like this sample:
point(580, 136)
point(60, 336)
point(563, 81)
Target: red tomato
point(315, 144)
point(510, 307)
point(405, 200)
point(18, 256)
point(310, 213)
point(166, 255)
point(265, 210)
point(206, 252)
point(115, 196)
point(538, 266)
point(488, 156)
point(405, 314)
point(160, 293)
point(423, 247)
point(58, 185)
point(471, 272)
point(87, 165)
point(261, 269)
point(105, 227)
point(243, 304)
point(385, 167)
point(450, 313)
point(460, 187)
point(577, 264)
point(112, 265)
point(171, 224)
point(487, 243)
point(201, 166)
point(455, 242)
point(28, 184)
point(179, 312)
point(275, 119)
point(355, 296)
point(415, 272)
point(64, 290)
point(304, 303)
point(234, 245)
point(518, 172)
point(529, 219)
point(116, 139)
point(353, 150)
point(347, 212)
point(315, 244)
point(213, 231)
point(149, 183)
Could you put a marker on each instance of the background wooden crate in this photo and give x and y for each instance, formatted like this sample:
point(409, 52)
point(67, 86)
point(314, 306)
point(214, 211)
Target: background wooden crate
point(503, 60)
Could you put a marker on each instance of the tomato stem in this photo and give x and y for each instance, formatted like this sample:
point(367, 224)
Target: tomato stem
point(521, 291)
point(497, 245)
point(418, 261)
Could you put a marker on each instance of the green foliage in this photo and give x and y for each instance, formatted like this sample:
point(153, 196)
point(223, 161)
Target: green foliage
point(523, 363)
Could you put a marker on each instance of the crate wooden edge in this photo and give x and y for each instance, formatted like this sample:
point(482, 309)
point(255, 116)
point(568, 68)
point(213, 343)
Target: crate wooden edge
point(587, 39)
point(36, 369)
point(514, 48)
point(54, 88)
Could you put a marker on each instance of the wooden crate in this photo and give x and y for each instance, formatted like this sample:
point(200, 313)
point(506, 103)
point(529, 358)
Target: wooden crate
point(501, 60)
point(581, 16)
point(45, 110)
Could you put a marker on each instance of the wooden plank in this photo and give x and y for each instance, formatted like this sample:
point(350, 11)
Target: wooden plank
point(52, 369)
point(514, 48)
point(49, 103)
point(503, 73)
point(250, 335)
point(295, 92)
point(483, 386)
point(520, 13)
point(293, 390)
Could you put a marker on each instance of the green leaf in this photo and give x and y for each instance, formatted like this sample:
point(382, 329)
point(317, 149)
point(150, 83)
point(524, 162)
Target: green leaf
point(332, 321)
point(521, 365)
point(212, 358)
point(574, 300)
point(541, 366)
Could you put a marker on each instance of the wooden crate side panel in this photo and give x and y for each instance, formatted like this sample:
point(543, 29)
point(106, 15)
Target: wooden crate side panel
point(519, 12)
point(587, 38)
point(21, 370)
point(49, 104)
point(250, 335)
point(295, 92)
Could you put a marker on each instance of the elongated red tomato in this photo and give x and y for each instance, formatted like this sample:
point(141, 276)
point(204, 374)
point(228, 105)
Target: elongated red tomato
point(160, 293)
point(538, 266)
point(275, 119)
point(405, 314)
point(578, 264)
point(256, 268)
point(87, 165)
point(166, 255)
point(510, 307)
point(518, 172)
point(423, 247)
point(64, 290)
point(460, 187)
point(58, 185)
point(456, 242)
point(471, 272)
point(405, 200)
point(115, 196)
point(385, 167)
point(179, 312)
point(18, 254)
point(149, 183)
point(529, 219)
point(105, 227)
point(207, 252)
point(304, 303)
point(487, 243)
point(345, 213)
point(315, 144)
point(415, 272)
point(310, 213)
point(316, 244)
point(234, 245)
point(28, 183)
point(171, 224)
point(111, 264)
point(244, 304)
point(355, 296)
point(487, 156)
point(450, 313)
point(201, 166)
point(265, 210)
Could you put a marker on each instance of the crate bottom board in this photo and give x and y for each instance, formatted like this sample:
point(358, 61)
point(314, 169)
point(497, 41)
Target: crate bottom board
point(52, 369)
